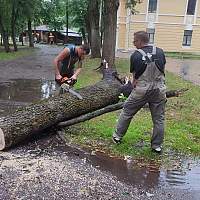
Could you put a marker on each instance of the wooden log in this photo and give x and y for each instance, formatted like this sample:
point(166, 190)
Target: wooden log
point(36, 117)
point(91, 115)
point(111, 108)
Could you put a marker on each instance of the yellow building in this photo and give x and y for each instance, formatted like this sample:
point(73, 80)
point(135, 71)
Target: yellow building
point(173, 25)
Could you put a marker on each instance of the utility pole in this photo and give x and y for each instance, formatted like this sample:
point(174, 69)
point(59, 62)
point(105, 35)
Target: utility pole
point(67, 22)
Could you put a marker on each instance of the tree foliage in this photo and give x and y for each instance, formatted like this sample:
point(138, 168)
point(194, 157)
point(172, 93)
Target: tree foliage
point(52, 13)
point(131, 5)
point(78, 13)
point(13, 14)
point(84, 15)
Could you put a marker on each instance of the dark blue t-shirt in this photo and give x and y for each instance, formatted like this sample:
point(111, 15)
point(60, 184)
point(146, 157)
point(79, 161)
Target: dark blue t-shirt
point(67, 65)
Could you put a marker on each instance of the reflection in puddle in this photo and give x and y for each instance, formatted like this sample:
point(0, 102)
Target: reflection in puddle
point(185, 175)
point(20, 92)
point(151, 175)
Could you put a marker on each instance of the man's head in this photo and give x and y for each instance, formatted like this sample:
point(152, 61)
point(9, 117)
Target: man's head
point(83, 50)
point(141, 39)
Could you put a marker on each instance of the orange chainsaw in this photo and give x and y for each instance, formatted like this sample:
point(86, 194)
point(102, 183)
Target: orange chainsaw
point(67, 84)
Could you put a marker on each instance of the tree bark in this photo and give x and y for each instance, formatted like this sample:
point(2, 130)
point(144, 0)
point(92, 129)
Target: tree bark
point(13, 27)
point(94, 26)
point(1, 43)
point(31, 44)
point(4, 35)
point(87, 25)
point(37, 117)
point(110, 108)
point(84, 36)
point(110, 27)
point(91, 115)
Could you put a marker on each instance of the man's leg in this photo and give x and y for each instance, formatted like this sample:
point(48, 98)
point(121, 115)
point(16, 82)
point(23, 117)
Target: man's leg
point(158, 117)
point(131, 107)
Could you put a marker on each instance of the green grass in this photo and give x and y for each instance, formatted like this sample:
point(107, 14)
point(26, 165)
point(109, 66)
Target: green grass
point(183, 55)
point(182, 133)
point(22, 51)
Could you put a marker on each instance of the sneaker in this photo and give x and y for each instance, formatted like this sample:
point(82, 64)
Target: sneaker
point(116, 140)
point(157, 150)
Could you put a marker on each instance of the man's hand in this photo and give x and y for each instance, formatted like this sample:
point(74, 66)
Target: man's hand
point(58, 77)
point(76, 73)
point(74, 77)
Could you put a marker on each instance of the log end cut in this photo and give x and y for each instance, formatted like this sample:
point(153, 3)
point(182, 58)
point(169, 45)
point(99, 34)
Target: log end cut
point(2, 140)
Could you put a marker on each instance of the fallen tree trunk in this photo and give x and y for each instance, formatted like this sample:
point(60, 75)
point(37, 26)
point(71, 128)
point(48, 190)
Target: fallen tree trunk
point(91, 115)
point(110, 108)
point(37, 117)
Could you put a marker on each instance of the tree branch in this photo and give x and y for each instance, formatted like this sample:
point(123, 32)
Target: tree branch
point(110, 108)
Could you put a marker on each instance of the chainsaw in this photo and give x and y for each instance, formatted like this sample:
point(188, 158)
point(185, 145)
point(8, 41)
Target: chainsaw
point(67, 84)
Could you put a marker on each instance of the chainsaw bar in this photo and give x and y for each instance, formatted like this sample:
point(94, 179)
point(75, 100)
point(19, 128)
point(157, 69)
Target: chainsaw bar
point(67, 88)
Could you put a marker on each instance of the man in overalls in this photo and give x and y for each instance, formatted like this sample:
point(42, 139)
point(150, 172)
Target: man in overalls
point(147, 64)
point(65, 62)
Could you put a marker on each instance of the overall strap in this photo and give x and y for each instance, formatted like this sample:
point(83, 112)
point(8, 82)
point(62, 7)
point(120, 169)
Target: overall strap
point(141, 52)
point(144, 54)
point(153, 50)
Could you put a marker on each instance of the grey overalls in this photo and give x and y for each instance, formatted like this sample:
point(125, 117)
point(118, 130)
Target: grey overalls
point(151, 89)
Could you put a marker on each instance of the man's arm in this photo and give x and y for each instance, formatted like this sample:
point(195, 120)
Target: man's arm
point(63, 54)
point(131, 64)
point(78, 70)
point(132, 69)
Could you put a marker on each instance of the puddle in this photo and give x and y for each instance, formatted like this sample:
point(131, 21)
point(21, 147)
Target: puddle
point(185, 175)
point(20, 92)
point(182, 174)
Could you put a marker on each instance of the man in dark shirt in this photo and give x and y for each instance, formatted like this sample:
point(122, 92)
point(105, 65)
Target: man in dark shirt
point(147, 66)
point(65, 62)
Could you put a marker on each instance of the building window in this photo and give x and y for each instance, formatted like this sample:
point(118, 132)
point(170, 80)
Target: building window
point(187, 38)
point(152, 6)
point(151, 33)
point(191, 7)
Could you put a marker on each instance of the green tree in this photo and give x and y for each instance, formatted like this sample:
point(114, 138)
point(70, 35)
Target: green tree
point(110, 27)
point(14, 13)
point(131, 5)
point(29, 8)
point(93, 12)
point(5, 7)
point(78, 17)
point(52, 13)
point(84, 15)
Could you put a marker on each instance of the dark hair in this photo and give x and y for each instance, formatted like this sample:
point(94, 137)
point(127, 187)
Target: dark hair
point(142, 35)
point(86, 48)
